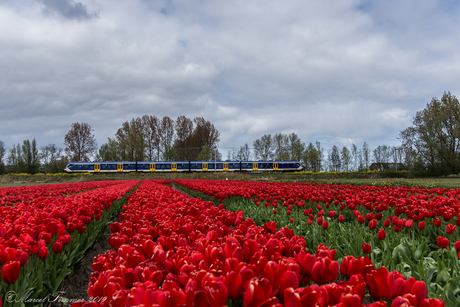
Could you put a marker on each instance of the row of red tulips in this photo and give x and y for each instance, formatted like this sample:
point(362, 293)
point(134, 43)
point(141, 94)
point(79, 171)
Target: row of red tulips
point(41, 239)
point(11, 195)
point(425, 250)
point(173, 250)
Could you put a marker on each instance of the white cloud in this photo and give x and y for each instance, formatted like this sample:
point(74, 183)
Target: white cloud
point(340, 72)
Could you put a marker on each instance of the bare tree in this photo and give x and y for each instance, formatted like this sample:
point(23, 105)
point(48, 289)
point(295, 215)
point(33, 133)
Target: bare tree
point(280, 145)
point(263, 148)
point(354, 155)
point(2, 154)
point(150, 126)
point(244, 153)
point(166, 133)
point(366, 156)
point(130, 138)
point(50, 155)
point(183, 141)
point(80, 142)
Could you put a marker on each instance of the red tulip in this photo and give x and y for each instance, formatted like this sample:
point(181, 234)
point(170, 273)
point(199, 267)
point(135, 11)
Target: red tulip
point(324, 271)
point(341, 218)
point(421, 225)
point(450, 229)
point(10, 271)
point(43, 252)
point(373, 224)
point(437, 222)
point(57, 247)
point(325, 225)
point(351, 266)
point(432, 302)
point(351, 300)
point(366, 248)
point(258, 290)
point(443, 242)
point(381, 234)
point(385, 285)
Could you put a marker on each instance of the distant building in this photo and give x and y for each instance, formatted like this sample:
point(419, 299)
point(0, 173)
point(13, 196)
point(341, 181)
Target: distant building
point(387, 167)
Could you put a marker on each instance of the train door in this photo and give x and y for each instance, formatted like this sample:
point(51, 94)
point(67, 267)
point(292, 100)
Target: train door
point(275, 166)
point(205, 166)
point(119, 167)
point(255, 166)
point(152, 167)
point(97, 167)
point(173, 167)
point(225, 166)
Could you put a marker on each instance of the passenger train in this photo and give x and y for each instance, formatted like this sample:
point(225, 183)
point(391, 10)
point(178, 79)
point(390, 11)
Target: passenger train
point(182, 166)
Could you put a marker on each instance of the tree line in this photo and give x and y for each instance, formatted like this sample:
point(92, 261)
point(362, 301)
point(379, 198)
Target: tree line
point(430, 146)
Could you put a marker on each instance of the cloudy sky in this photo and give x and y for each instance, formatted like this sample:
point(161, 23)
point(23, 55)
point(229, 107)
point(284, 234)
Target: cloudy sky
point(338, 71)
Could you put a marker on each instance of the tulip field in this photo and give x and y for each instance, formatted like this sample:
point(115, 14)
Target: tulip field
point(240, 243)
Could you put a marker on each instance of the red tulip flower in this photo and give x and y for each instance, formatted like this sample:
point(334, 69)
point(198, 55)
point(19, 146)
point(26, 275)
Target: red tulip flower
point(325, 225)
point(450, 229)
point(43, 252)
point(437, 222)
point(373, 224)
point(385, 285)
point(421, 225)
point(57, 247)
point(386, 223)
point(443, 242)
point(381, 234)
point(341, 218)
point(366, 248)
point(10, 271)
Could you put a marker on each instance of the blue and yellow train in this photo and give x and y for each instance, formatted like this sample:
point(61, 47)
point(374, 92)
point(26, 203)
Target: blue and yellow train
point(182, 166)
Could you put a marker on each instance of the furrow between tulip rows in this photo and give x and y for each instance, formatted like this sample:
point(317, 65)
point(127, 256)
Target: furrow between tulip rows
point(174, 250)
point(41, 240)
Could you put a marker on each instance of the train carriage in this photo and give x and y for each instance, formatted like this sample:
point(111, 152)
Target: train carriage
point(183, 166)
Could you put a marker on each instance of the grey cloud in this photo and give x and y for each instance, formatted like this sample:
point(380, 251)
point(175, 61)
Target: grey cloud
point(68, 9)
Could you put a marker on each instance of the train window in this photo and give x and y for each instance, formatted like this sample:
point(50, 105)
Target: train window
point(85, 166)
point(79, 166)
point(91, 167)
point(219, 165)
point(211, 165)
point(168, 166)
point(103, 166)
point(244, 165)
point(199, 165)
point(270, 165)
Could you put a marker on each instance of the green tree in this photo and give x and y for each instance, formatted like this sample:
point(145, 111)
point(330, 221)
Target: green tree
point(205, 154)
point(334, 160)
point(435, 136)
point(345, 158)
point(30, 157)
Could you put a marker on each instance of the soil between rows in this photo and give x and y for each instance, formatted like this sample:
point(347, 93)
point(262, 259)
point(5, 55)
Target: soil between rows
point(75, 287)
